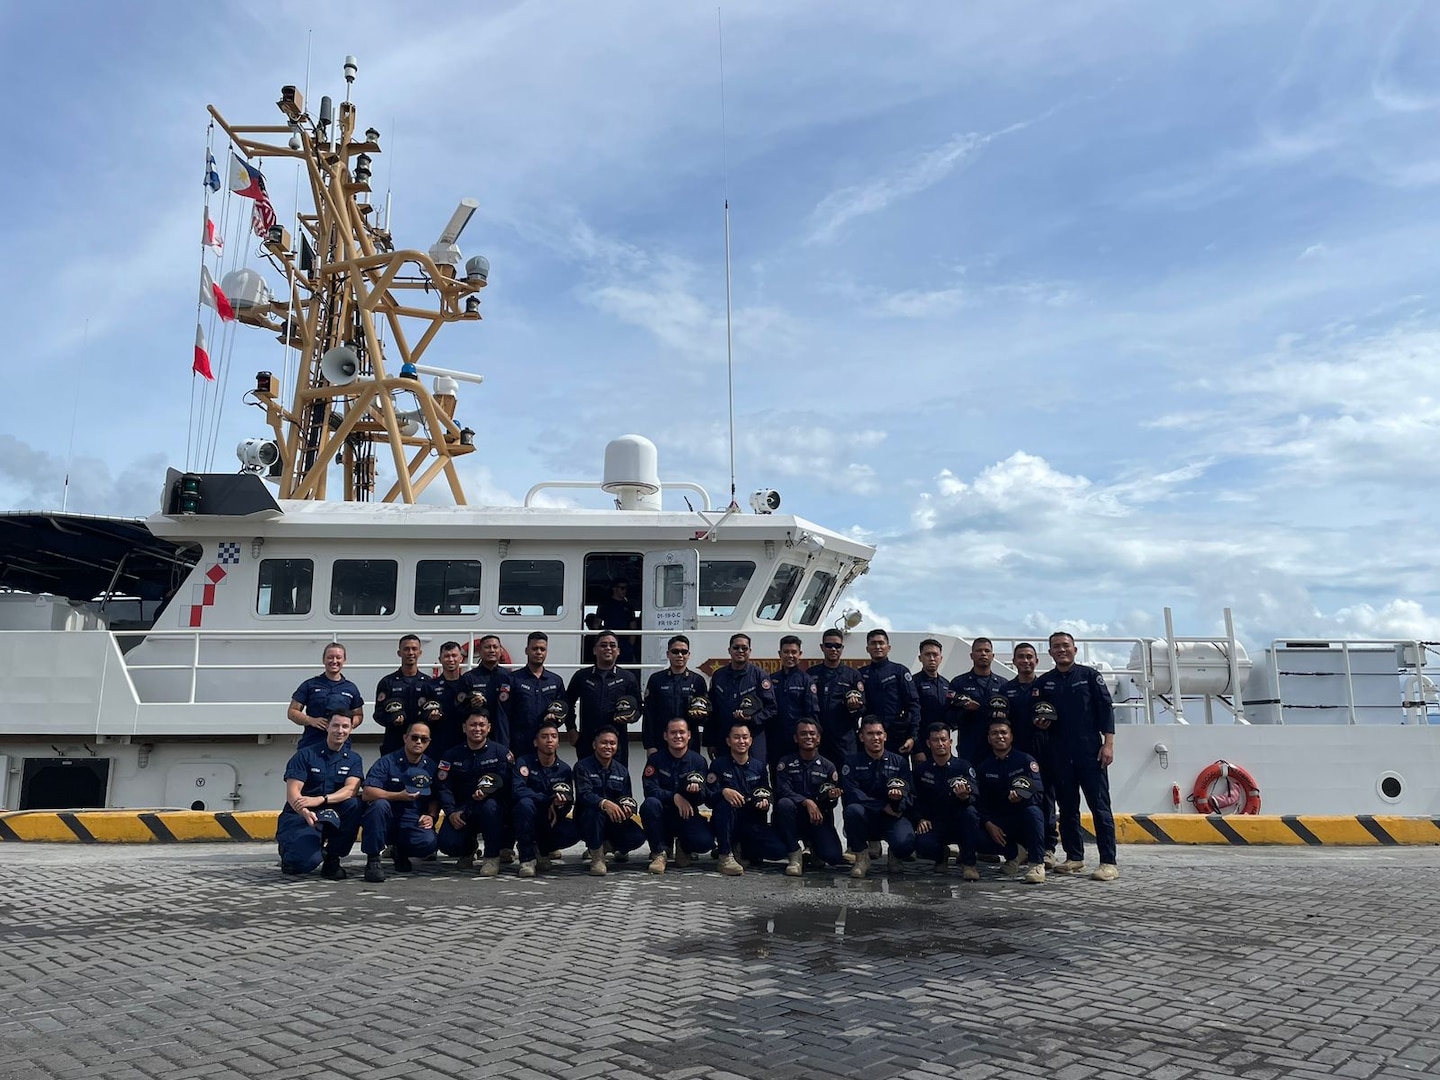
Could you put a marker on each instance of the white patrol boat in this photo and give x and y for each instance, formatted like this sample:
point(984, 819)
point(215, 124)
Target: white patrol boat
point(149, 663)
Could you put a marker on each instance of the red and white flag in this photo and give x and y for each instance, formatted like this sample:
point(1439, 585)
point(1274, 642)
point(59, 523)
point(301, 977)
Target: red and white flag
point(212, 238)
point(246, 180)
point(201, 366)
point(211, 295)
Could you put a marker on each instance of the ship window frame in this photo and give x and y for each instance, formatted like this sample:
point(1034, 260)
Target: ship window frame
point(813, 602)
point(785, 601)
point(308, 586)
point(384, 612)
point(739, 595)
point(500, 586)
point(445, 589)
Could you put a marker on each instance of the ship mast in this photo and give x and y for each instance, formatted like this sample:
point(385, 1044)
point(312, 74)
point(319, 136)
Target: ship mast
point(348, 287)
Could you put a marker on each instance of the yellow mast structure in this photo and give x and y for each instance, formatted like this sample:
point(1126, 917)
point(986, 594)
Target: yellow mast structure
point(343, 409)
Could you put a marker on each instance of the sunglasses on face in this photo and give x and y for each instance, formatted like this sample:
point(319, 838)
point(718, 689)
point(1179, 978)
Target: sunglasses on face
point(679, 652)
point(418, 738)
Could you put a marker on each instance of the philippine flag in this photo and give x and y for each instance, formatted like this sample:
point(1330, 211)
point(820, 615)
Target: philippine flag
point(245, 179)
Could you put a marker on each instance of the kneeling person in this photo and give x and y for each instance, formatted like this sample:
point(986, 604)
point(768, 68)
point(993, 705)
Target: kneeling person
point(674, 784)
point(808, 786)
point(400, 804)
point(740, 795)
point(1011, 800)
point(944, 812)
point(473, 779)
point(876, 784)
point(606, 799)
point(321, 816)
point(544, 801)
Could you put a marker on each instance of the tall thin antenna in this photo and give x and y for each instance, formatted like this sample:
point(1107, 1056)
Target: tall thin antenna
point(725, 185)
point(74, 415)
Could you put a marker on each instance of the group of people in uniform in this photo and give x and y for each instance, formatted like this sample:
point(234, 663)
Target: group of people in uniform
point(747, 766)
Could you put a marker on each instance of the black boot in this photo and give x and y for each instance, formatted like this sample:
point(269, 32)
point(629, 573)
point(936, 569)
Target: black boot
point(331, 869)
point(373, 872)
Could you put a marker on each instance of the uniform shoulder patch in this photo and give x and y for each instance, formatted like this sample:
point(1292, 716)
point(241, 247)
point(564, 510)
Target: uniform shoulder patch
point(764, 684)
point(846, 770)
point(1034, 766)
point(710, 778)
point(908, 677)
point(649, 770)
point(834, 776)
point(524, 770)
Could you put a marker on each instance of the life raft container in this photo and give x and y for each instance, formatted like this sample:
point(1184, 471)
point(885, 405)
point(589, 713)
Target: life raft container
point(1221, 786)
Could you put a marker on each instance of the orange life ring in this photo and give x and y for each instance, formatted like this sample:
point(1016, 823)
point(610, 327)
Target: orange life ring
point(1239, 785)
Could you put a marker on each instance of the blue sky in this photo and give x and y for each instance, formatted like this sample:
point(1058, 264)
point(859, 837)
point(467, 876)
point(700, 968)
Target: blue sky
point(1076, 311)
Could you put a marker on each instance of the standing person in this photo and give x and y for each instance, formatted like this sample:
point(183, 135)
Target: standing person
point(1022, 693)
point(544, 805)
point(970, 695)
point(452, 694)
point(933, 690)
point(944, 811)
point(739, 691)
point(796, 699)
point(311, 704)
point(1010, 799)
point(617, 613)
point(808, 787)
point(1082, 744)
point(668, 694)
point(473, 779)
point(533, 690)
point(400, 804)
point(841, 699)
point(399, 694)
point(876, 785)
point(492, 679)
point(674, 787)
point(594, 691)
point(890, 694)
point(321, 816)
point(740, 797)
point(606, 801)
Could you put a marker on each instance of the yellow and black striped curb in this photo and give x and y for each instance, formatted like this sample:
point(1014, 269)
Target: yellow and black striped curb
point(191, 826)
point(137, 826)
point(1362, 830)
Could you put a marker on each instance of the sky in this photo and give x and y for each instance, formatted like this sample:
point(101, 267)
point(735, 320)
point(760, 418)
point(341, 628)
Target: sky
point(1076, 312)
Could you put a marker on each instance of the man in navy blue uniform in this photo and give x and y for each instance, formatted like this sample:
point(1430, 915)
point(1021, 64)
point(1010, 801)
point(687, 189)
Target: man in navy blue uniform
point(933, 690)
point(876, 785)
point(492, 679)
point(970, 696)
point(321, 816)
point(452, 694)
point(1021, 694)
point(399, 694)
point(544, 804)
point(617, 613)
point(668, 694)
point(1082, 745)
point(944, 809)
point(400, 804)
point(841, 698)
point(807, 788)
point(730, 687)
point(796, 699)
point(310, 705)
point(890, 694)
point(674, 785)
point(533, 689)
point(1010, 802)
point(741, 797)
point(606, 801)
point(473, 779)
point(593, 692)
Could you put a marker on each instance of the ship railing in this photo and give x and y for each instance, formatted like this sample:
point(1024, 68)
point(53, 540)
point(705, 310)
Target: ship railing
point(1101, 652)
point(1419, 692)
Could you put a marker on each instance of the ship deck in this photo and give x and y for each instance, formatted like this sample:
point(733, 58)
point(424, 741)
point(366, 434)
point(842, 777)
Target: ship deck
point(172, 963)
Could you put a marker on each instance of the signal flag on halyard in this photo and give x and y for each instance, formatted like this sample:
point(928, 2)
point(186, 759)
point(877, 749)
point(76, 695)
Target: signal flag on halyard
point(211, 295)
point(212, 177)
point(246, 180)
point(212, 238)
point(201, 366)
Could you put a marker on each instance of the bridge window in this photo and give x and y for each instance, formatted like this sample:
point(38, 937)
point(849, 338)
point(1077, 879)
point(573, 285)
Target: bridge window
point(722, 583)
point(817, 596)
point(781, 591)
point(447, 587)
point(532, 587)
point(285, 587)
point(363, 587)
